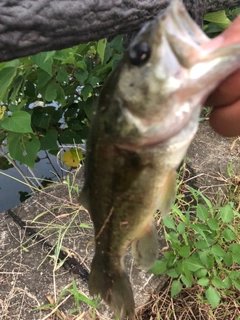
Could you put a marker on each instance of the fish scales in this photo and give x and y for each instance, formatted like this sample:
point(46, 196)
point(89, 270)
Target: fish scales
point(146, 117)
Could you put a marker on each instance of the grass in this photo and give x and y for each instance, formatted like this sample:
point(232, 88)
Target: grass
point(202, 262)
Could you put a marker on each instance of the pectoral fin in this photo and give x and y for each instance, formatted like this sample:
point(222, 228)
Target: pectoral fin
point(168, 194)
point(145, 249)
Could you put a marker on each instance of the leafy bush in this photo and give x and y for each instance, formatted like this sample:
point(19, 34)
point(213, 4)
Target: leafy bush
point(204, 249)
point(48, 99)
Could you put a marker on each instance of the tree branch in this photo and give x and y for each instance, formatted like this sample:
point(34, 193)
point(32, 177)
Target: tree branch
point(28, 27)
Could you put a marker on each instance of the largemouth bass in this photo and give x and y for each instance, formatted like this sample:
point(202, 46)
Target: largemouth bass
point(145, 120)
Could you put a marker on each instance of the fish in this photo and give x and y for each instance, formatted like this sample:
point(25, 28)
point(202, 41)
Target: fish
point(146, 118)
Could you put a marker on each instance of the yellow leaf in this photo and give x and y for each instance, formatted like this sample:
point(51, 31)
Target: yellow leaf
point(2, 111)
point(72, 157)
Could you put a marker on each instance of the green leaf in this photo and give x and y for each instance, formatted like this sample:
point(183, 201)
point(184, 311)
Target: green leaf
point(219, 17)
point(61, 97)
point(159, 267)
point(169, 222)
point(75, 126)
point(62, 75)
point(234, 274)
point(116, 43)
point(170, 256)
point(4, 164)
point(40, 118)
point(226, 214)
point(181, 228)
point(6, 77)
point(70, 137)
point(227, 282)
point(234, 247)
point(115, 63)
point(18, 122)
point(236, 257)
point(172, 236)
point(89, 107)
point(42, 78)
point(49, 141)
point(81, 75)
point(213, 225)
point(218, 283)
point(212, 29)
point(204, 282)
point(201, 273)
point(24, 148)
point(207, 259)
point(81, 65)
point(13, 107)
point(202, 212)
point(228, 235)
point(184, 251)
point(172, 273)
point(213, 297)
point(29, 89)
point(228, 259)
point(12, 63)
point(236, 284)
point(86, 91)
point(176, 287)
point(201, 229)
point(192, 264)
point(201, 244)
point(187, 273)
point(101, 45)
point(17, 84)
point(51, 91)
point(188, 282)
point(2, 136)
point(218, 251)
point(93, 81)
point(44, 61)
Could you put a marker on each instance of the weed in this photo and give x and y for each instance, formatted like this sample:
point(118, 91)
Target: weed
point(204, 242)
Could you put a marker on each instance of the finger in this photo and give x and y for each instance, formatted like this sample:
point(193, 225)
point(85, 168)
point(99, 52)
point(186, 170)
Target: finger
point(226, 120)
point(228, 91)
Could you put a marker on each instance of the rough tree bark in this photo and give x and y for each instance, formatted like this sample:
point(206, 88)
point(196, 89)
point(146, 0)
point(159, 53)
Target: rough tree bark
point(28, 27)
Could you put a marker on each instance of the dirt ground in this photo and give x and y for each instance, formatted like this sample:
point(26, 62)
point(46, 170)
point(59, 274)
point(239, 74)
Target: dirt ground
point(30, 277)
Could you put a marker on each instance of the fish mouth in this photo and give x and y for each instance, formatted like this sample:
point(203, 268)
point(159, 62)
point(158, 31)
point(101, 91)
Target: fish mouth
point(190, 67)
point(194, 65)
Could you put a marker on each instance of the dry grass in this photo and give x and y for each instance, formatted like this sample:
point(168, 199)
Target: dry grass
point(189, 305)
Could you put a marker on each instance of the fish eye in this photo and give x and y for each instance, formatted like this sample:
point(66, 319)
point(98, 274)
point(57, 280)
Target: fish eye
point(139, 53)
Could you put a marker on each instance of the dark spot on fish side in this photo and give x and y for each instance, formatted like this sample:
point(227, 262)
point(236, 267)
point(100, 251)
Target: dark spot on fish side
point(131, 167)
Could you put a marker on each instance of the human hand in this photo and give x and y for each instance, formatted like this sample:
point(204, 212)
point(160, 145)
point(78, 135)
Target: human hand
point(225, 116)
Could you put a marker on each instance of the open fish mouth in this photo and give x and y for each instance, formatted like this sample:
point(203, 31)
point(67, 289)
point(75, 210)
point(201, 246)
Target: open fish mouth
point(190, 67)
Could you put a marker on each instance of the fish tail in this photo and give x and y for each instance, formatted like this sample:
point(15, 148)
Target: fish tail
point(113, 285)
point(145, 249)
